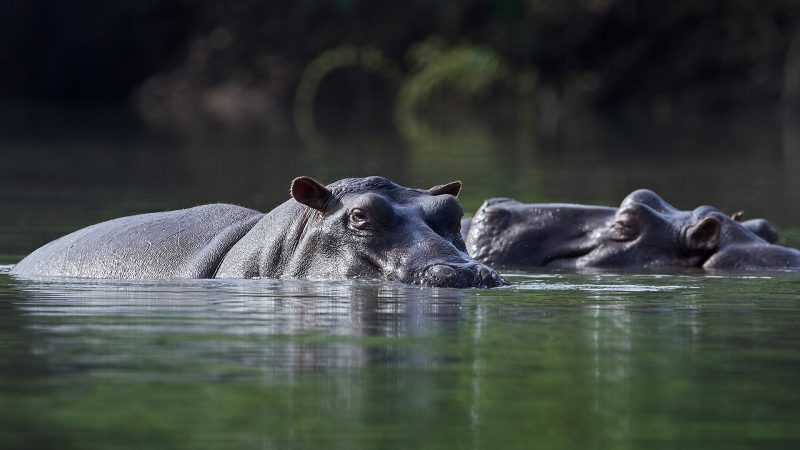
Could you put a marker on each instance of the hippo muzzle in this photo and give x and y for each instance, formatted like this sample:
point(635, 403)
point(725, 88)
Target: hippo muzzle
point(460, 276)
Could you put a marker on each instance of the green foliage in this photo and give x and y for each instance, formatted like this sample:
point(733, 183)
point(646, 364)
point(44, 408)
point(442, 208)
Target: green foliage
point(367, 59)
point(438, 74)
point(465, 68)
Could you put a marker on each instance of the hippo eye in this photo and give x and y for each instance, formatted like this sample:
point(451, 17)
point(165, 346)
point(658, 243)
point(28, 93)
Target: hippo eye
point(358, 218)
point(624, 229)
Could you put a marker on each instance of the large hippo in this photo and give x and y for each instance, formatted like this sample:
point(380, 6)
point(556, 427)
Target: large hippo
point(356, 228)
point(644, 232)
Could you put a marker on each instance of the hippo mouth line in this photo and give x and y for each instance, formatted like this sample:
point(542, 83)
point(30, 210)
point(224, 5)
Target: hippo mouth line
point(414, 277)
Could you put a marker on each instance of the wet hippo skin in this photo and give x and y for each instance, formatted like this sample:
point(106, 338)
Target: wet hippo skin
point(645, 232)
point(356, 228)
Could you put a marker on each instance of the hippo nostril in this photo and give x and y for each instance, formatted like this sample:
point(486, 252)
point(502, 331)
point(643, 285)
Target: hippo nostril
point(443, 275)
point(486, 274)
point(488, 277)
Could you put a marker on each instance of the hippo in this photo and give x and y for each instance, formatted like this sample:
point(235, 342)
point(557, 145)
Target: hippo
point(760, 227)
point(645, 232)
point(356, 228)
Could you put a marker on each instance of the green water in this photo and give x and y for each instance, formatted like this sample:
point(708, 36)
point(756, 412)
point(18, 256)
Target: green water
point(553, 361)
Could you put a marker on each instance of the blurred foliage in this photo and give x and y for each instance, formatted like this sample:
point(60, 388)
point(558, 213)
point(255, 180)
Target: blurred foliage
point(446, 81)
point(465, 68)
point(200, 63)
point(369, 60)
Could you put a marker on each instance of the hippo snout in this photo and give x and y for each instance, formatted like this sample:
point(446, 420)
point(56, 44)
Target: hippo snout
point(461, 276)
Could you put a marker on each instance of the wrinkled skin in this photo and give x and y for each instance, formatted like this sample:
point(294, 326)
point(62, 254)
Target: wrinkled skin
point(645, 232)
point(359, 228)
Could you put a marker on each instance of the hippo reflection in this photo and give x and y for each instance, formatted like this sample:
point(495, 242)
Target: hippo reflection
point(356, 228)
point(644, 232)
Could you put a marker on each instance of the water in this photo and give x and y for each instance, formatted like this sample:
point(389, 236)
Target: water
point(554, 360)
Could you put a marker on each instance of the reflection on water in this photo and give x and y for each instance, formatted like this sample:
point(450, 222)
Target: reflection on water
point(552, 361)
point(297, 326)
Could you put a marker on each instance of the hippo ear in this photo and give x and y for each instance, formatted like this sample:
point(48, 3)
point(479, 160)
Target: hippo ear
point(704, 235)
point(452, 188)
point(310, 192)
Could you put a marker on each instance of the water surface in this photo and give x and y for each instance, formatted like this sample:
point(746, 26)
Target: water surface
point(553, 361)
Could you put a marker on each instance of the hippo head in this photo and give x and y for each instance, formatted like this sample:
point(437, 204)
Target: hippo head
point(372, 228)
point(644, 232)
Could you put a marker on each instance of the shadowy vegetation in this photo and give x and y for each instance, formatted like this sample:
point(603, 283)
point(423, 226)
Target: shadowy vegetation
point(233, 63)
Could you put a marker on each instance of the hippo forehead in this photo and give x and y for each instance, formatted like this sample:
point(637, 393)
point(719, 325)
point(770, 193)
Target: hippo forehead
point(650, 199)
point(364, 185)
point(653, 201)
point(705, 211)
point(398, 195)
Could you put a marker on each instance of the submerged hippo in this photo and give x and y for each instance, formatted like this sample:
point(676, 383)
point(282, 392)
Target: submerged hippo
point(356, 228)
point(644, 232)
point(760, 227)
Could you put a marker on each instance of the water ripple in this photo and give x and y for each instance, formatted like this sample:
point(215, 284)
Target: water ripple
point(598, 287)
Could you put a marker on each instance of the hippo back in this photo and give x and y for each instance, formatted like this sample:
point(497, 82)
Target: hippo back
point(188, 243)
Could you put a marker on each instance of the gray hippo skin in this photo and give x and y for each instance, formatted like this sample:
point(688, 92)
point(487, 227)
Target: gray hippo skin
point(645, 232)
point(760, 227)
point(357, 228)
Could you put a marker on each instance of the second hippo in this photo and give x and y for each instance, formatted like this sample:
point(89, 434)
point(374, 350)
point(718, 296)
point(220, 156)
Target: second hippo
point(645, 232)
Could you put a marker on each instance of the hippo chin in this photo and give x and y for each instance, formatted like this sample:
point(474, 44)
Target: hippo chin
point(357, 228)
point(645, 232)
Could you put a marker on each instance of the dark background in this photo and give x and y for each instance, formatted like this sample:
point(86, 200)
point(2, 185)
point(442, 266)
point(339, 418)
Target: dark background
point(640, 54)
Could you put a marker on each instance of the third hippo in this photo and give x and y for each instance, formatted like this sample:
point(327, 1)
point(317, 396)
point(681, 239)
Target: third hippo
point(645, 232)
